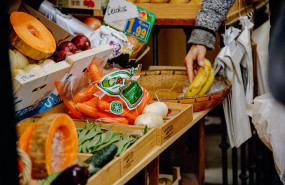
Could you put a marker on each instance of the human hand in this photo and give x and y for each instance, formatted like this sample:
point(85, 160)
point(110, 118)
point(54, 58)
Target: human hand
point(196, 53)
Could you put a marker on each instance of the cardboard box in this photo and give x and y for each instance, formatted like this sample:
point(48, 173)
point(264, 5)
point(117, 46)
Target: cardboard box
point(83, 4)
point(35, 91)
point(35, 87)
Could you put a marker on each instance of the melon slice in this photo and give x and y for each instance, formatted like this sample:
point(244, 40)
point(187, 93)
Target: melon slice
point(31, 37)
point(53, 145)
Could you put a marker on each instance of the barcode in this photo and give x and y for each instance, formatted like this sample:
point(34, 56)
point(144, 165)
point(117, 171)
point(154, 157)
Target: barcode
point(75, 2)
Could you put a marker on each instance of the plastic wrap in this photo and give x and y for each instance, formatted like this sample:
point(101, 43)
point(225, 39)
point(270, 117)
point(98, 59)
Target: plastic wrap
point(110, 95)
point(107, 35)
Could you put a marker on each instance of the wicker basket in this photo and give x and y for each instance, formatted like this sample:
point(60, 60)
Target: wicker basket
point(175, 78)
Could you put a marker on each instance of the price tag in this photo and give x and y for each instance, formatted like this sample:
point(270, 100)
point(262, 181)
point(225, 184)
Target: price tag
point(138, 28)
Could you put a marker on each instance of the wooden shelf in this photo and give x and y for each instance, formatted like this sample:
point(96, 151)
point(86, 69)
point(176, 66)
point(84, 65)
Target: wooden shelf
point(159, 149)
point(184, 14)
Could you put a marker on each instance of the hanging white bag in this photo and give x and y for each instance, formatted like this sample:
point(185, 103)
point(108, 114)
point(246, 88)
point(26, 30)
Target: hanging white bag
point(227, 64)
point(244, 39)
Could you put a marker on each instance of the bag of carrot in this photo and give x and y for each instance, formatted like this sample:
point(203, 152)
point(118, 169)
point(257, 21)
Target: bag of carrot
point(107, 95)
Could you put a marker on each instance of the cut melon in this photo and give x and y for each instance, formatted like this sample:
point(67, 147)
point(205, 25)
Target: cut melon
point(31, 37)
point(53, 145)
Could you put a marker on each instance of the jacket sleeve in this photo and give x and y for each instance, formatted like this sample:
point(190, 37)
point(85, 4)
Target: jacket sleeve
point(208, 20)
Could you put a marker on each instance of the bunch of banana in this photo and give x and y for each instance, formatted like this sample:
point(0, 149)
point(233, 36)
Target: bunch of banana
point(202, 81)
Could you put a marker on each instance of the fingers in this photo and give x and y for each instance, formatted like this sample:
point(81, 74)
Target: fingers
point(196, 53)
point(201, 54)
point(189, 67)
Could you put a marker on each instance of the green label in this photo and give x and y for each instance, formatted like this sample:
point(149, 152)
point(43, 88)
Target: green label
point(119, 84)
point(116, 107)
point(132, 94)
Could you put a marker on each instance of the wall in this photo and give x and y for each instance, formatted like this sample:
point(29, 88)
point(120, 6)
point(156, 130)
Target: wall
point(172, 48)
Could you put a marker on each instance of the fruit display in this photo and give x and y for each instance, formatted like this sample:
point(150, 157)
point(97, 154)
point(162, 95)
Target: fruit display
point(51, 143)
point(35, 47)
point(202, 81)
point(31, 37)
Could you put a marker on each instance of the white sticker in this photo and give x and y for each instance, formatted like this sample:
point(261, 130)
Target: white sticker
point(118, 10)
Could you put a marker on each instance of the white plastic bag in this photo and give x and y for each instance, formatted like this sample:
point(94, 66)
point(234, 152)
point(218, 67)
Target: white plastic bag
point(268, 117)
point(227, 64)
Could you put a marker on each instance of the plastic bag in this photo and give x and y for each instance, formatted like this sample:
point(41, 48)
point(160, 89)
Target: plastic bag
point(268, 117)
point(110, 95)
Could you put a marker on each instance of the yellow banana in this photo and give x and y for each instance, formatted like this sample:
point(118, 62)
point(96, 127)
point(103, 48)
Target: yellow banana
point(209, 83)
point(199, 80)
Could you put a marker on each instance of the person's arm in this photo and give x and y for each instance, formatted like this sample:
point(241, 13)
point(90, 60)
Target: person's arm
point(208, 20)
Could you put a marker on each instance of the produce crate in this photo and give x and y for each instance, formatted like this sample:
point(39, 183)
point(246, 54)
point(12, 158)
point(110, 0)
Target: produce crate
point(133, 155)
point(179, 117)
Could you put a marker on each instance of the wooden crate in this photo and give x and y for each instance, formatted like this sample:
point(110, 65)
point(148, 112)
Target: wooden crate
point(109, 174)
point(133, 155)
point(180, 116)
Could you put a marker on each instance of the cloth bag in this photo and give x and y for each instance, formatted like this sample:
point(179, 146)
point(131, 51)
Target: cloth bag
point(268, 117)
point(227, 64)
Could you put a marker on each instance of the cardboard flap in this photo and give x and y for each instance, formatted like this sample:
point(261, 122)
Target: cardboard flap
point(35, 88)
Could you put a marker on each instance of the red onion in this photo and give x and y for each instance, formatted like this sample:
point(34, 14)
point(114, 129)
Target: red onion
point(66, 46)
point(61, 55)
point(81, 42)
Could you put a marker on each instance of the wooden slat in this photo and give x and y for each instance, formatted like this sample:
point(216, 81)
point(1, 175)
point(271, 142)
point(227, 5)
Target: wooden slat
point(176, 123)
point(163, 68)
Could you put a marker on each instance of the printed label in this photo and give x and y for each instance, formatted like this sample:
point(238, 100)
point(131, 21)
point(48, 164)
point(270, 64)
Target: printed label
point(168, 132)
point(117, 84)
point(116, 107)
point(138, 28)
point(132, 94)
point(129, 160)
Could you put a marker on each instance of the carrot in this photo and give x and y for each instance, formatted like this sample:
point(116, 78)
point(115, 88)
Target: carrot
point(72, 111)
point(85, 94)
point(95, 73)
point(70, 106)
point(110, 99)
point(144, 102)
point(98, 114)
point(92, 102)
point(105, 106)
point(23, 144)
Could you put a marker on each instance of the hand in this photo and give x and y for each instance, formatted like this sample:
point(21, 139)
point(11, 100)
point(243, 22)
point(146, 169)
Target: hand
point(196, 53)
